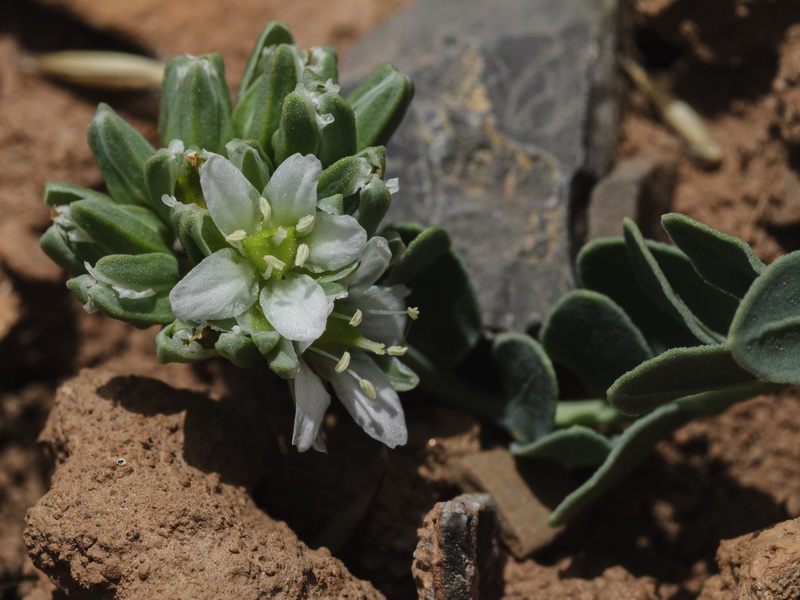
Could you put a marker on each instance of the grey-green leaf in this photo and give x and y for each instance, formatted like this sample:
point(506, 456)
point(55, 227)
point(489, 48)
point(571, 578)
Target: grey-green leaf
point(765, 334)
point(423, 246)
point(576, 447)
point(379, 103)
point(677, 373)
point(591, 335)
point(723, 260)
point(530, 386)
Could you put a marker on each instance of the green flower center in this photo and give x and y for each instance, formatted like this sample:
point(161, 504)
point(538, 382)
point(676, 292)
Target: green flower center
point(273, 251)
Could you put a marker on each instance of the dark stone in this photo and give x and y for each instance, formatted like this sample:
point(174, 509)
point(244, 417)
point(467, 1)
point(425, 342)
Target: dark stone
point(514, 117)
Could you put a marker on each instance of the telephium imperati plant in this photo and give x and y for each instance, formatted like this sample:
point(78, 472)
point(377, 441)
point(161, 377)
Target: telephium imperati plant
point(252, 233)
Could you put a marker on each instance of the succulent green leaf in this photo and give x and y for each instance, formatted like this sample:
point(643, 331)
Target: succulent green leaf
point(337, 139)
point(423, 246)
point(59, 193)
point(638, 439)
point(119, 229)
point(298, 131)
point(379, 103)
point(70, 256)
point(373, 204)
point(591, 335)
point(273, 34)
point(160, 176)
point(196, 231)
point(137, 272)
point(240, 349)
point(576, 447)
point(120, 152)
point(765, 335)
point(171, 346)
point(724, 261)
point(677, 373)
point(196, 103)
point(140, 312)
point(657, 287)
point(258, 113)
point(342, 177)
point(530, 386)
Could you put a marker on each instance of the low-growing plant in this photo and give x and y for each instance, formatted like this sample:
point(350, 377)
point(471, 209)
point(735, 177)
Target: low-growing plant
point(251, 234)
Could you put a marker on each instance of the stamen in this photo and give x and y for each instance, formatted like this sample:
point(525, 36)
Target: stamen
point(274, 261)
point(193, 158)
point(263, 205)
point(279, 236)
point(343, 363)
point(236, 236)
point(356, 319)
point(413, 312)
point(367, 387)
point(396, 350)
point(374, 347)
point(302, 255)
point(305, 224)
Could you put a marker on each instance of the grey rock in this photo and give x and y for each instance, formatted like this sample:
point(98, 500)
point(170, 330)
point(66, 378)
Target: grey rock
point(641, 188)
point(514, 116)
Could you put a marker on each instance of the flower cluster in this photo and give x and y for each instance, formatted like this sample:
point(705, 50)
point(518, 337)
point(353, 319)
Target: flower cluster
point(252, 233)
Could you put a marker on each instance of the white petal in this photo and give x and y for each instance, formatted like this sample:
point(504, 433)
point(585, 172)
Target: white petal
point(232, 201)
point(222, 285)
point(296, 307)
point(387, 329)
point(311, 402)
point(373, 262)
point(292, 189)
point(381, 418)
point(337, 241)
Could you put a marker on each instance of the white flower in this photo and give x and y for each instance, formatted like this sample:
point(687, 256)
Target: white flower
point(280, 244)
point(368, 320)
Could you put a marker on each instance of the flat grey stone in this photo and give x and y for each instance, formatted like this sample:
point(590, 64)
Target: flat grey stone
point(514, 115)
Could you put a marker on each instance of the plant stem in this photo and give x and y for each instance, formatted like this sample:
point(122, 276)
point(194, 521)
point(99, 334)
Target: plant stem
point(590, 413)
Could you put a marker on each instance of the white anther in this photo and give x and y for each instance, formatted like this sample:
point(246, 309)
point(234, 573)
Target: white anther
point(274, 262)
point(343, 363)
point(236, 236)
point(356, 319)
point(367, 387)
point(413, 312)
point(302, 255)
point(396, 350)
point(263, 205)
point(279, 236)
point(371, 346)
point(305, 224)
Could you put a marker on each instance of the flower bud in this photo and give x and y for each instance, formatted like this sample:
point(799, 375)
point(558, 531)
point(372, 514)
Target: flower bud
point(282, 359)
point(273, 34)
point(181, 342)
point(121, 152)
point(196, 231)
point(374, 202)
point(298, 131)
point(238, 348)
point(379, 103)
point(250, 159)
point(195, 103)
point(338, 138)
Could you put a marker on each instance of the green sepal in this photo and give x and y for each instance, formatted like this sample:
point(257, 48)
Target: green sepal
point(640, 438)
point(298, 131)
point(273, 34)
point(401, 377)
point(160, 177)
point(657, 287)
point(265, 341)
point(258, 113)
point(120, 229)
point(423, 246)
point(342, 177)
point(138, 272)
point(373, 204)
point(196, 231)
point(576, 447)
point(677, 373)
point(336, 139)
point(765, 335)
point(722, 260)
point(171, 349)
point(59, 193)
point(249, 157)
point(379, 104)
point(333, 205)
point(529, 384)
point(196, 103)
point(589, 334)
point(120, 152)
point(282, 359)
point(238, 348)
